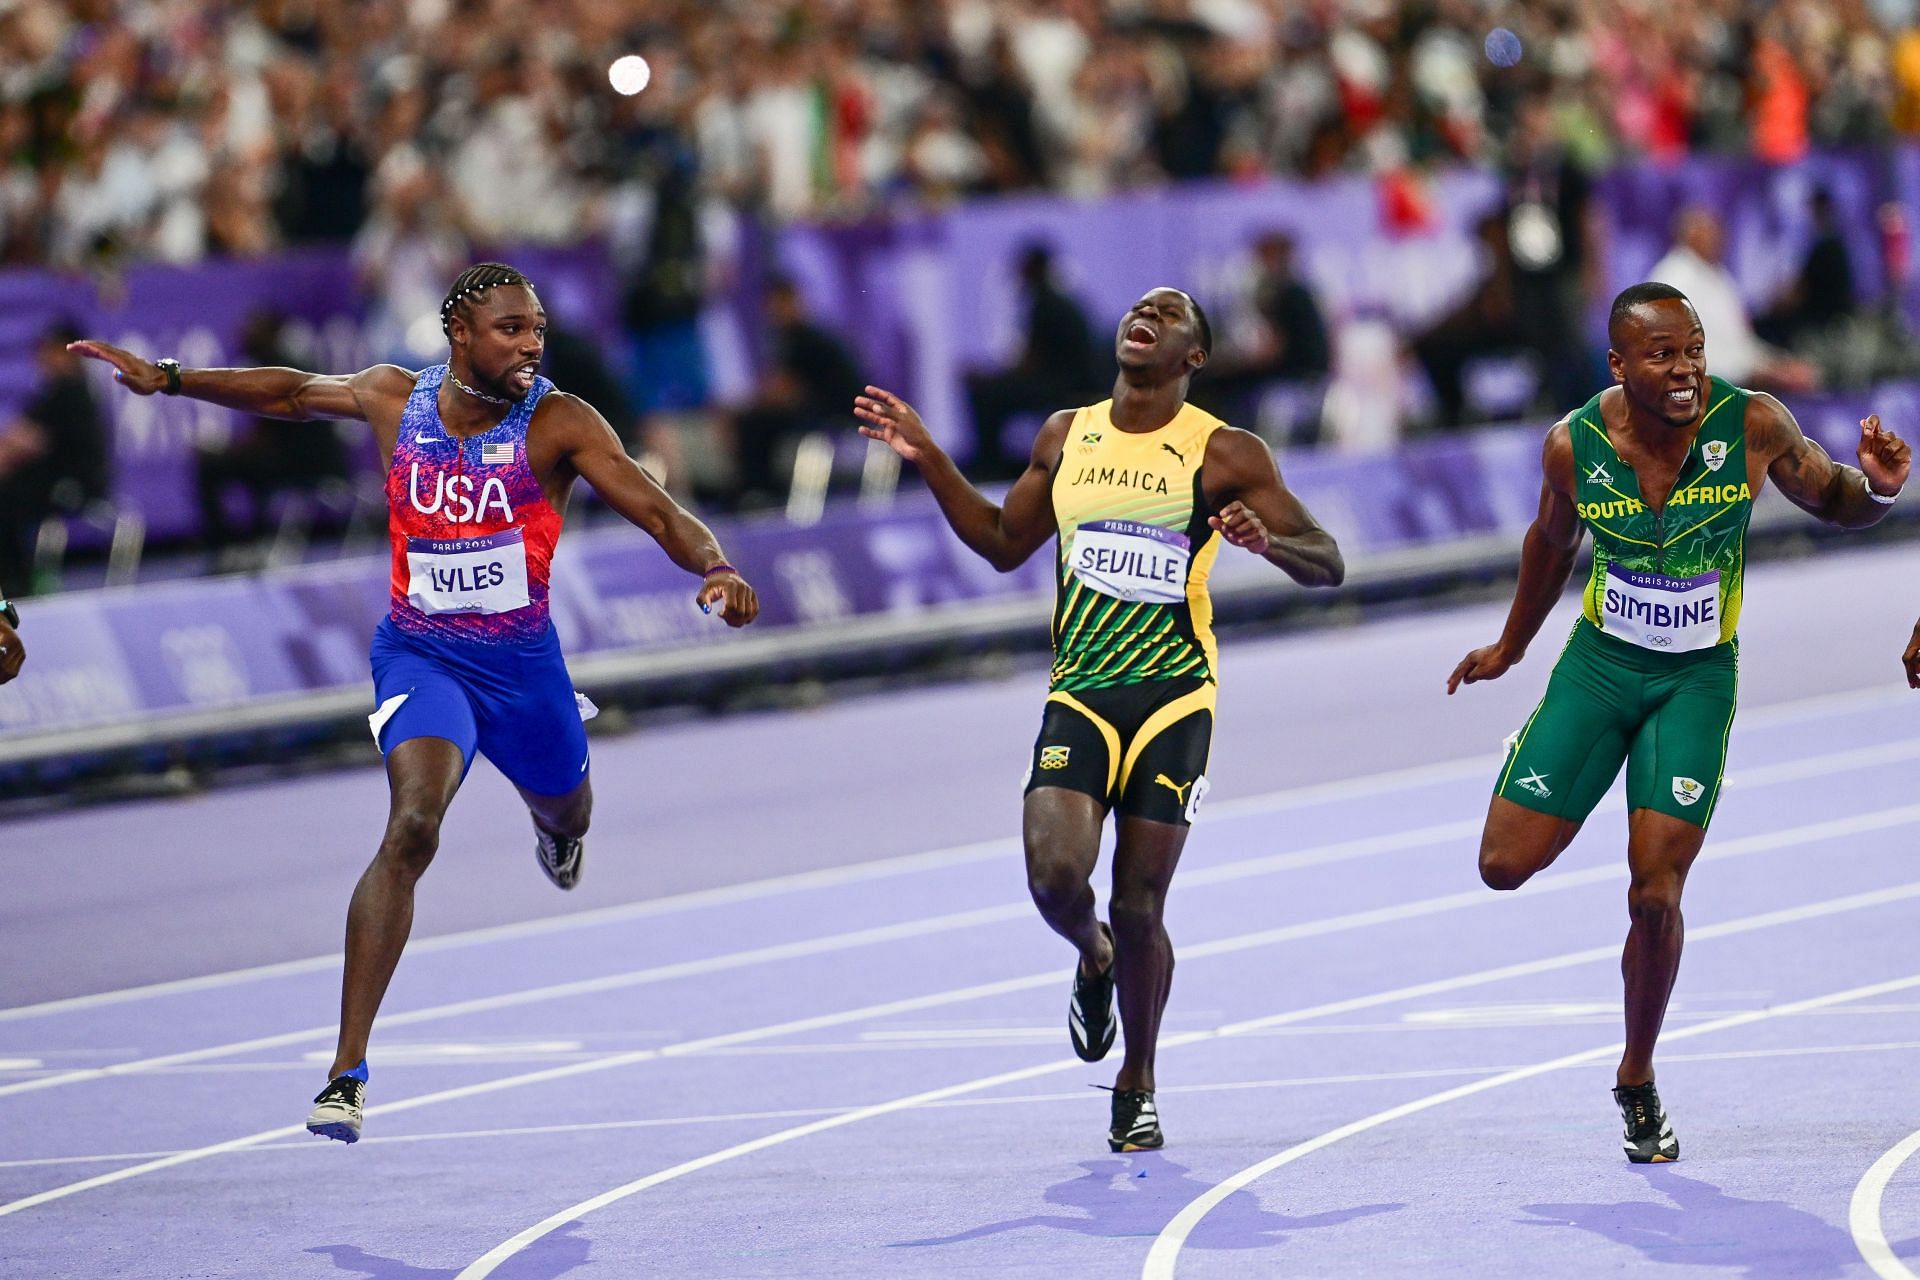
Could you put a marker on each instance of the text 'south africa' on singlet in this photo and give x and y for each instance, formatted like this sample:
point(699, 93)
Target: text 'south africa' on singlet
point(1135, 553)
point(1669, 582)
point(472, 530)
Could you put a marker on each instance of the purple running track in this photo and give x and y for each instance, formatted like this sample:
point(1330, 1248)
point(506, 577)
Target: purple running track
point(770, 1040)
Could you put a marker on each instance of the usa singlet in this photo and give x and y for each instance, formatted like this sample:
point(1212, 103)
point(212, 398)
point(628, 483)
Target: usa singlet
point(1130, 715)
point(468, 652)
point(473, 532)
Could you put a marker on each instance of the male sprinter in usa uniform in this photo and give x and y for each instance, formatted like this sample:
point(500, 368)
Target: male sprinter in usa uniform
point(1140, 490)
point(482, 453)
point(1663, 468)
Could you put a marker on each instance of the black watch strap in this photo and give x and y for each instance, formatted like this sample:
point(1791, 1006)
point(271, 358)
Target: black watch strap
point(171, 368)
point(11, 614)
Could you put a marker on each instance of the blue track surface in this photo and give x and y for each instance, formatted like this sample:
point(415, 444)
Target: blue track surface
point(803, 1022)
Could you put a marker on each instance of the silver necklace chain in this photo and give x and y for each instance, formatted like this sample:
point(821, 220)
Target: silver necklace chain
point(478, 395)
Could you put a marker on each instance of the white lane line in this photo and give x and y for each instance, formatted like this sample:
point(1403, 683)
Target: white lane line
point(1313, 928)
point(1005, 1100)
point(1847, 761)
point(1340, 851)
point(1359, 787)
point(827, 878)
point(488, 1262)
point(1864, 1217)
point(1164, 1256)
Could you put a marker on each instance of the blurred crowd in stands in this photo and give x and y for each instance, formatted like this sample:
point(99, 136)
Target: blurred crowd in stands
point(418, 130)
point(176, 128)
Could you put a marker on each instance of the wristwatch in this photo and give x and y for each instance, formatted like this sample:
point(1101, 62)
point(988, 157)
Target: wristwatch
point(11, 614)
point(171, 368)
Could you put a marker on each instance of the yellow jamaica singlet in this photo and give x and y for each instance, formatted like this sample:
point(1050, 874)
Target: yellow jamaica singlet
point(1135, 553)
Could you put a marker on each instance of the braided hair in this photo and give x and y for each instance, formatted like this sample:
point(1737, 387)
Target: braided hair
point(476, 280)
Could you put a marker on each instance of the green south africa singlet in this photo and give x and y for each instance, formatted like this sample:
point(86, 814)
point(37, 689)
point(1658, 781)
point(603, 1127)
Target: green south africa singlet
point(1135, 553)
point(1650, 674)
point(1670, 582)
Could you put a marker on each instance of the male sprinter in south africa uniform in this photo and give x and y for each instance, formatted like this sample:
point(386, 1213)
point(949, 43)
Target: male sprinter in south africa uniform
point(1140, 490)
point(482, 453)
point(1663, 469)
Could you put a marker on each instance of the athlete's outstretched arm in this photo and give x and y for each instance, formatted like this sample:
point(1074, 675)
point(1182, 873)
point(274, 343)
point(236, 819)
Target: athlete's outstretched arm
point(1911, 659)
point(589, 445)
point(1255, 509)
point(1546, 560)
point(1005, 535)
point(1813, 481)
point(292, 394)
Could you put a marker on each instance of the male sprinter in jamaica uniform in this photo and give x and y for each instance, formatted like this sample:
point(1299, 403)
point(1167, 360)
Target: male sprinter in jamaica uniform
point(1663, 469)
point(1140, 490)
point(481, 453)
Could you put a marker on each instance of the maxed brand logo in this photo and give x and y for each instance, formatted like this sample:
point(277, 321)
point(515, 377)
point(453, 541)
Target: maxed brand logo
point(455, 495)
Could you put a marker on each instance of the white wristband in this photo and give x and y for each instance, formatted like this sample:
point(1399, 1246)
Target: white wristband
point(1884, 499)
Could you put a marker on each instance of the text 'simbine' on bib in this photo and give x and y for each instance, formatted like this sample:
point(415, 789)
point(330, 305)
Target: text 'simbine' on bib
point(1132, 561)
point(468, 575)
point(1667, 615)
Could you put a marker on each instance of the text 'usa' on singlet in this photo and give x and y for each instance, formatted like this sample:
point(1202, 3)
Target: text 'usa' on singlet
point(1670, 582)
point(473, 533)
point(1135, 552)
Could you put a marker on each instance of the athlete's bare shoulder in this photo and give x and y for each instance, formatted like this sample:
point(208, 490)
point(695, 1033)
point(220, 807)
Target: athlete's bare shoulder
point(1769, 426)
point(1556, 454)
point(1051, 441)
point(382, 391)
point(563, 415)
point(1236, 444)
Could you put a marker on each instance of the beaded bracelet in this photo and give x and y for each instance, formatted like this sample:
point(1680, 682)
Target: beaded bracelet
point(1884, 499)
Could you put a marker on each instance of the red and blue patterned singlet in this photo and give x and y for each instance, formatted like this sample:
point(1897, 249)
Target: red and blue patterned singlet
point(473, 532)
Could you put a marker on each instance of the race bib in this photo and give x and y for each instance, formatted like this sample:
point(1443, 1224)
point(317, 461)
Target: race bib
point(1668, 615)
point(1132, 561)
point(468, 575)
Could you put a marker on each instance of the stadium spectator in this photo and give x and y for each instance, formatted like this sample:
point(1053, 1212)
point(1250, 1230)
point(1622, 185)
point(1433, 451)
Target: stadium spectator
point(810, 380)
point(1693, 266)
point(1059, 363)
point(1484, 323)
point(266, 460)
point(53, 456)
point(1287, 343)
point(1553, 247)
point(811, 108)
point(1822, 295)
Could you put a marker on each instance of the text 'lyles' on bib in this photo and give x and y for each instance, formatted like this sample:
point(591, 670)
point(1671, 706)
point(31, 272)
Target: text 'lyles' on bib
point(468, 575)
point(1668, 615)
point(1132, 561)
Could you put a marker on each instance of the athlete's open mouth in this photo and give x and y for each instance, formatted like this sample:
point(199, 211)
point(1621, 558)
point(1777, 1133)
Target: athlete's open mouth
point(522, 378)
point(1141, 333)
point(1683, 397)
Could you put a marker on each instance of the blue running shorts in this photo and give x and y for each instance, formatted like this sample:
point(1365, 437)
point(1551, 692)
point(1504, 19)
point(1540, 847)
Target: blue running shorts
point(514, 704)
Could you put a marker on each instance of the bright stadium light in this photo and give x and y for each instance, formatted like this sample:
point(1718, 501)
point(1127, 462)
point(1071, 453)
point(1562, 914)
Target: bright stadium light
point(629, 74)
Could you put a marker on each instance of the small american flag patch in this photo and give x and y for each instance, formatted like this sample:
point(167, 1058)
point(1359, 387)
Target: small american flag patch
point(496, 455)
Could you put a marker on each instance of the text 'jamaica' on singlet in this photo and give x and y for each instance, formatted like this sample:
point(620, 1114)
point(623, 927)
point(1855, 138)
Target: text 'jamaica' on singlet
point(1670, 582)
point(1135, 553)
point(472, 530)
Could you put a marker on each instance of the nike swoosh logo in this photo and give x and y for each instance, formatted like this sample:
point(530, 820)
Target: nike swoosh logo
point(420, 439)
